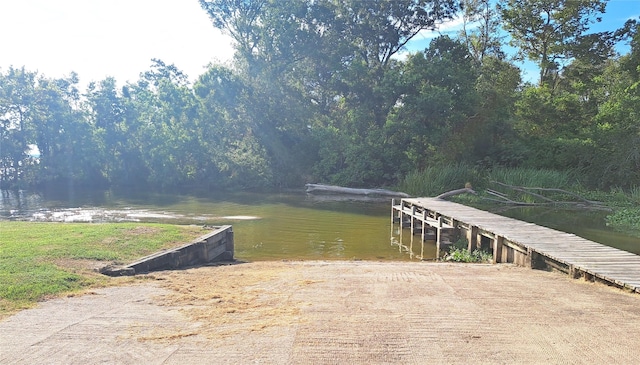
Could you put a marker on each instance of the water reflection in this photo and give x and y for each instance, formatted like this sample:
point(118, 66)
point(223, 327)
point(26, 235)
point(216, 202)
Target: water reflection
point(283, 225)
point(18, 203)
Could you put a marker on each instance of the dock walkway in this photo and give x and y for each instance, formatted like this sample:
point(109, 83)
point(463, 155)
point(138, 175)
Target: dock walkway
point(522, 243)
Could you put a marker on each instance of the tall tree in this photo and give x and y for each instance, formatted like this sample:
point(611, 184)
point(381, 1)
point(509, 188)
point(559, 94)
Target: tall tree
point(106, 110)
point(227, 134)
point(63, 134)
point(17, 98)
point(615, 160)
point(315, 66)
point(481, 29)
point(552, 32)
point(438, 103)
point(166, 113)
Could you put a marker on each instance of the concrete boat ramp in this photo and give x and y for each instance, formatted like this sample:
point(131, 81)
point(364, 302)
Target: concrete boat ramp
point(334, 313)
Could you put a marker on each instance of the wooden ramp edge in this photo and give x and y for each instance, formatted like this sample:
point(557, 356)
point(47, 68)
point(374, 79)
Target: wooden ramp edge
point(521, 243)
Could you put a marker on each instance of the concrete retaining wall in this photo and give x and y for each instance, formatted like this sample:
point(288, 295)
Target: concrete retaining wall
point(214, 246)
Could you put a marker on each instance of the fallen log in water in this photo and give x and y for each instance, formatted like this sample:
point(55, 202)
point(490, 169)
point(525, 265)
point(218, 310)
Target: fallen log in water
point(466, 190)
point(332, 189)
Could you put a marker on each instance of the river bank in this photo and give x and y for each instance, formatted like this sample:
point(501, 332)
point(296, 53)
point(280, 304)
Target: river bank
point(334, 312)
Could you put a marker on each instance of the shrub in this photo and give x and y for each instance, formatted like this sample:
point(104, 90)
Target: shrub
point(459, 253)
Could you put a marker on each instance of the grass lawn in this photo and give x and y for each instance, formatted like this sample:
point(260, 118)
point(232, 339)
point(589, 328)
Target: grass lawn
point(43, 260)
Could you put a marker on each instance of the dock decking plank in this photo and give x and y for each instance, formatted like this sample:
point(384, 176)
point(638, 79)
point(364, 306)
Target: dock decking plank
point(607, 263)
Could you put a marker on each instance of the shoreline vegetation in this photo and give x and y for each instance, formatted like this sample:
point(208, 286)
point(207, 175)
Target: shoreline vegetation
point(624, 204)
point(44, 260)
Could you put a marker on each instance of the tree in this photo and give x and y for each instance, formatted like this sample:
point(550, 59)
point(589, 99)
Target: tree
point(616, 132)
point(106, 110)
point(17, 94)
point(63, 135)
point(552, 32)
point(631, 62)
point(437, 105)
point(165, 111)
point(227, 135)
point(493, 140)
point(480, 31)
point(379, 28)
point(314, 67)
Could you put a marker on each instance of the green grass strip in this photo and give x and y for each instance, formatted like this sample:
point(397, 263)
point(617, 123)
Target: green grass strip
point(41, 260)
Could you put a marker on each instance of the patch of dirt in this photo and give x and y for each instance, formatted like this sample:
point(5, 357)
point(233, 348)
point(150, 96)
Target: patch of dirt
point(233, 300)
point(142, 230)
point(79, 264)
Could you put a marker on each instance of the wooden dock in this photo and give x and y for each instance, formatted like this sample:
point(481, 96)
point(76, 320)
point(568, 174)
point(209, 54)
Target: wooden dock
point(518, 242)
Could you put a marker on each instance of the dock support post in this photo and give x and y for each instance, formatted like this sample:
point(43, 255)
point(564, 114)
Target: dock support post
point(438, 236)
point(497, 249)
point(413, 214)
point(528, 261)
point(393, 213)
point(424, 224)
point(401, 215)
point(472, 238)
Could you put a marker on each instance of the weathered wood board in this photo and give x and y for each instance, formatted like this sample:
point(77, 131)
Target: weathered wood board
point(579, 255)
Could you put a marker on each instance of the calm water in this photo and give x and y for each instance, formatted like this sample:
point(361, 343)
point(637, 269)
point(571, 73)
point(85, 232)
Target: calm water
point(266, 226)
point(282, 226)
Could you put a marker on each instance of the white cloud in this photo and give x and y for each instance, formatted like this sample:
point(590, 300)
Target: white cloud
point(421, 40)
point(448, 27)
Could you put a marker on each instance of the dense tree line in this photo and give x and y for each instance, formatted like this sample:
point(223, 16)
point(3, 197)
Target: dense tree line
point(318, 91)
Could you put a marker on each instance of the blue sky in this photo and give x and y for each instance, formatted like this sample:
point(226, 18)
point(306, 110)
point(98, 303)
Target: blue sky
point(617, 13)
point(99, 38)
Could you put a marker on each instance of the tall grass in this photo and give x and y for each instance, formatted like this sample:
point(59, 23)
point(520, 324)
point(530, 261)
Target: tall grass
point(532, 178)
point(634, 194)
point(434, 180)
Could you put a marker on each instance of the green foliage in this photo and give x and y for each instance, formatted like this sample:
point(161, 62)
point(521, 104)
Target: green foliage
point(436, 106)
point(459, 253)
point(436, 180)
point(551, 32)
point(480, 30)
point(533, 177)
point(625, 219)
point(634, 194)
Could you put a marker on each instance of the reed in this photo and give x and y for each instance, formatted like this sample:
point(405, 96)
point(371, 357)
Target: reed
point(435, 180)
point(634, 194)
point(533, 177)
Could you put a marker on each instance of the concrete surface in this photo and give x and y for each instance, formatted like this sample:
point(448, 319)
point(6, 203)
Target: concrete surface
point(334, 313)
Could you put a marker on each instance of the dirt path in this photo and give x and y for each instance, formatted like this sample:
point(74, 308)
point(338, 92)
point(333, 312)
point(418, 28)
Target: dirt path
point(334, 313)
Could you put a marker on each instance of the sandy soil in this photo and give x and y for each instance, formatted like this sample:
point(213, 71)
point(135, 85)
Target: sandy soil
point(334, 313)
